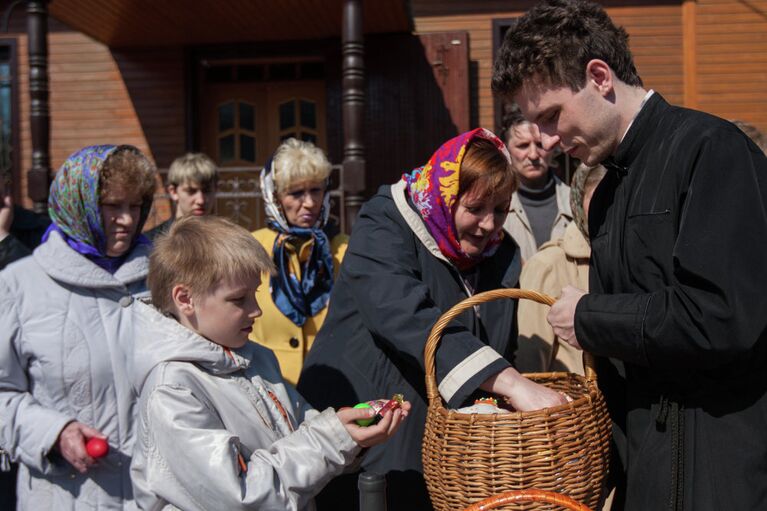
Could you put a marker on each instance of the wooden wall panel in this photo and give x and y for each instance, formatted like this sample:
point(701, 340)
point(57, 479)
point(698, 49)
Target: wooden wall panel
point(406, 116)
point(731, 44)
point(655, 37)
point(154, 79)
point(133, 97)
point(89, 101)
point(479, 27)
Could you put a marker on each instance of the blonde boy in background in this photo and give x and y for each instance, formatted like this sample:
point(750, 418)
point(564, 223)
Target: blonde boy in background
point(218, 428)
point(192, 185)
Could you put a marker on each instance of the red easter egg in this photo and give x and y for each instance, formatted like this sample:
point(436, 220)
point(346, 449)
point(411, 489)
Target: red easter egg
point(97, 447)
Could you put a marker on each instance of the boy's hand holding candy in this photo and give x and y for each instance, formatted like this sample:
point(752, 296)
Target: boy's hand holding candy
point(380, 427)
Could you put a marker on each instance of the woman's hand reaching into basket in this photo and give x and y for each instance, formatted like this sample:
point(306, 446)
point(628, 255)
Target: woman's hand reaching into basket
point(523, 394)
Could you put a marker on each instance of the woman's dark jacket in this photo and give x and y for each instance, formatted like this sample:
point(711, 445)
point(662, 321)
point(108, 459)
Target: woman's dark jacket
point(393, 286)
point(679, 300)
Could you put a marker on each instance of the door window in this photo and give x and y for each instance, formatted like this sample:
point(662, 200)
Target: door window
point(236, 136)
point(298, 119)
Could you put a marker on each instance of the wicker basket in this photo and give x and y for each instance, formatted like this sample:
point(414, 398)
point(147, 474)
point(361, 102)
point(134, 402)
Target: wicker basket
point(550, 497)
point(470, 457)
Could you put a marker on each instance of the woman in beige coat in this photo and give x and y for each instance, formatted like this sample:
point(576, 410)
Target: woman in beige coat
point(560, 262)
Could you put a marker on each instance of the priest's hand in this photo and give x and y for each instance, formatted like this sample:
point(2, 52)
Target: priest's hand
point(562, 315)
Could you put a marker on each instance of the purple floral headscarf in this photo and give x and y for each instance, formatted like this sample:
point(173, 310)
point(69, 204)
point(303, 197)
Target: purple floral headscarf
point(433, 189)
point(73, 205)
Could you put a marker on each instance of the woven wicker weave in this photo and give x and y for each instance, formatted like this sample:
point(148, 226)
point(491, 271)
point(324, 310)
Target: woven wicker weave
point(470, 457)
point(561, 501)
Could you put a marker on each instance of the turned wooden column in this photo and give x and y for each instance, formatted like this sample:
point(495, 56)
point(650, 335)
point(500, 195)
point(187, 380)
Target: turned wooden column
point(39, 175)
point(353, 109)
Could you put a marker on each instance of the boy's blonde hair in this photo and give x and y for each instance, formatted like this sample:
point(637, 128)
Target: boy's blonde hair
point(297, 161)
point(193, 168)
point(201, 252)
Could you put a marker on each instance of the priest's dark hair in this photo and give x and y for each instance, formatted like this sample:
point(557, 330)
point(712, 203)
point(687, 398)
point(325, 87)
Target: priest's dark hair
point(553, 42)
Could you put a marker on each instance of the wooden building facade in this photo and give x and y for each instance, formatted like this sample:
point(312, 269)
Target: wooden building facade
point(234, 78)
point(710, 55)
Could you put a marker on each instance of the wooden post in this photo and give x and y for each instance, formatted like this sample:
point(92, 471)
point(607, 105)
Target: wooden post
point(372, 489)
point(39, 175)
point(353, 108)
point(690, 53)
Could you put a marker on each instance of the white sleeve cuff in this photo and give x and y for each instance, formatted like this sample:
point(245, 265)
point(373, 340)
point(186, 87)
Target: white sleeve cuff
point(464, 371)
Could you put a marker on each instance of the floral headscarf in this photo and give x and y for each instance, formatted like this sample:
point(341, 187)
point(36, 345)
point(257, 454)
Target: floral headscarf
point(297, 299)
point(577, 194)
point(577, 191)
point(433, 189)
point(73, 205)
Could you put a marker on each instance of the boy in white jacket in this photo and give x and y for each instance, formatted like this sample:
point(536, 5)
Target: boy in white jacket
point(218, 427)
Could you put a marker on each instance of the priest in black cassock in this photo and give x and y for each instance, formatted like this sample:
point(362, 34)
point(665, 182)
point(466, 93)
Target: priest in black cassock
point(677, 305)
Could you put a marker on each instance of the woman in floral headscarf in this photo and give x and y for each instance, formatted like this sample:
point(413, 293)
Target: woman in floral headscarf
point(419, 247)
point(65, 330)
point(305, 248)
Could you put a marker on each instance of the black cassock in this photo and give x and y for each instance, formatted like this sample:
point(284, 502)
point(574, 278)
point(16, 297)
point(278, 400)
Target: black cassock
point(678, 303)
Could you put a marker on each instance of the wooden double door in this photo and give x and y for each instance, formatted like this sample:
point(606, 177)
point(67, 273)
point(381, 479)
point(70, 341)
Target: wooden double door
point(241, 124)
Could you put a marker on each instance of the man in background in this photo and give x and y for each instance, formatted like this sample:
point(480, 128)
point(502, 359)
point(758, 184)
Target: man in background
point(192, 183)
point(540, 208)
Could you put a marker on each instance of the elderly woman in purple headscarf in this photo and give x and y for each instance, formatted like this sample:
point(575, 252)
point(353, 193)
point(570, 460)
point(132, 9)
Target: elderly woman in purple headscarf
point(65, 331)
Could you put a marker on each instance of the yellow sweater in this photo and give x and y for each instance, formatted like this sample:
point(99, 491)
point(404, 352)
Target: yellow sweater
point(273, 329)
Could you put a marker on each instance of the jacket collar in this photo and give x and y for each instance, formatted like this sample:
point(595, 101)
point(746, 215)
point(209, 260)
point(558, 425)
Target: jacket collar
point(644, 124)
point(414, 220)
point(163, 339)
point(65, 265)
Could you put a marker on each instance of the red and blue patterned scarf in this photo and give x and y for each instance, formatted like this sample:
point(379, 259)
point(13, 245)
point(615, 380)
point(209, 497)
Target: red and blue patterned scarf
point(433, 189)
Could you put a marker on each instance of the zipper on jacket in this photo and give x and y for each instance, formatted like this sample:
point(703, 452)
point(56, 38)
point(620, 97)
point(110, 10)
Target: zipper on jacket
point(672, 411)
point(241, 461)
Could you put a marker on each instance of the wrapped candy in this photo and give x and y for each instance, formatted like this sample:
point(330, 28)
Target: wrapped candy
point(381, 406)
point(485, 405)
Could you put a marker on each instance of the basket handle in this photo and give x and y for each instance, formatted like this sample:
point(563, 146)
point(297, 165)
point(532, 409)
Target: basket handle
point(432, 342)
point(509, 497)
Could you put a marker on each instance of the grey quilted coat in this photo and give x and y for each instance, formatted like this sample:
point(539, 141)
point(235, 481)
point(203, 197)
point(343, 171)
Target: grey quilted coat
point(65, 329)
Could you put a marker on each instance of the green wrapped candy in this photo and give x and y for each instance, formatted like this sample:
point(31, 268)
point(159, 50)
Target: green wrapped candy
point(381, 406)
point(364, 422)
